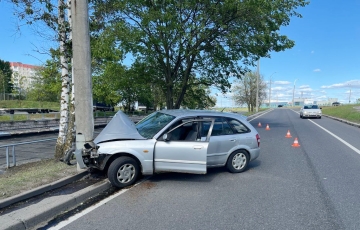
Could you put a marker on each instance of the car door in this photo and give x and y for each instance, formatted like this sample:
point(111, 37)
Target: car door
point(186, 153)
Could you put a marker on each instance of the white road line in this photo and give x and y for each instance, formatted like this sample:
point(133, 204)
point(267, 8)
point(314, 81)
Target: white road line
point(339, 138)
point(261, 115)
point(89, 209)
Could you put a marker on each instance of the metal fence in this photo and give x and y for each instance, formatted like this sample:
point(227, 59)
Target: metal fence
point(27, 152)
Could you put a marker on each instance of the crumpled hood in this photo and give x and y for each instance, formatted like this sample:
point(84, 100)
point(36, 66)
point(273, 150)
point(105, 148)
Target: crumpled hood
point(120, 127)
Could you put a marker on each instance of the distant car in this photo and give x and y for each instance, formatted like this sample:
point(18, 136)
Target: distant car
point(310, 111)
point(185, 141)
point(335, 103)
point(102, 107)
point(280, 106)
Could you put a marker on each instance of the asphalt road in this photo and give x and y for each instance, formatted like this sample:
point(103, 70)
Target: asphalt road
point(315, 186)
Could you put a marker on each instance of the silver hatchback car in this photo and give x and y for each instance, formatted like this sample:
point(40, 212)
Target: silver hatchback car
point(187, 141)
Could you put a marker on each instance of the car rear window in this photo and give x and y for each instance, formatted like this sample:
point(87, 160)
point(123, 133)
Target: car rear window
point(311, 107)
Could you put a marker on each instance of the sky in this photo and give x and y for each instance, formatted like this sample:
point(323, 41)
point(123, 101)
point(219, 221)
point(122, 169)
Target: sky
point(323, 64)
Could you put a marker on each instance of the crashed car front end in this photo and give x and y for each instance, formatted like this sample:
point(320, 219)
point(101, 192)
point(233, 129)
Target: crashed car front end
point(119, 128)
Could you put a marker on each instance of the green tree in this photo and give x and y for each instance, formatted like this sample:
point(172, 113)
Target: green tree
point(47, 83)
point(198, 96)
point(19, 83)
point(244, 91)
point(206, 39)
point(6, 85)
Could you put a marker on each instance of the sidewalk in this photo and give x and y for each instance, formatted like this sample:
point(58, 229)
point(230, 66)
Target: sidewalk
point(39, 213)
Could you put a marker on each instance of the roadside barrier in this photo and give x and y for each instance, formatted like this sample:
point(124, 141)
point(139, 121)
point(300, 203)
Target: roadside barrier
point(12, 146)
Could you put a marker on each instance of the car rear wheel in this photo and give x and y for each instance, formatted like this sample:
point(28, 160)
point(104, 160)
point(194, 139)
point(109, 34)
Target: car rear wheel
point(123, 172)
point(238, 161)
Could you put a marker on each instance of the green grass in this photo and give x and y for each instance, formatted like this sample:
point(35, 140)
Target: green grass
point(29, 104)
point(346, 112)
point(25, 177)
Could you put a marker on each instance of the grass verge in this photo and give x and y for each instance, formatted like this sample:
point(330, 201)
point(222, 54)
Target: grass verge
point(346, 112)
point(28, 176)
point(29, 104)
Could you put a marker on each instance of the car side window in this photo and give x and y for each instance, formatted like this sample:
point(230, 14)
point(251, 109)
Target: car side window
point(237, 126)
point(221, 127)
point(187, 131)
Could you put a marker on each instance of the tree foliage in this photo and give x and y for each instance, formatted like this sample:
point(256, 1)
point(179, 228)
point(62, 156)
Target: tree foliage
point(47, 82)
point(207, 39)
point(6, 85)
point(244, 90)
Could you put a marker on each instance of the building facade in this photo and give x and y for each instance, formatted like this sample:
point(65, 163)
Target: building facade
point(23, 75)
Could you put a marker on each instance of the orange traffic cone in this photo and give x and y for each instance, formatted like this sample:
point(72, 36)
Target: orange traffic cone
point(259, 125)
point(296, 143)
point(267, 127)
point(288, 135)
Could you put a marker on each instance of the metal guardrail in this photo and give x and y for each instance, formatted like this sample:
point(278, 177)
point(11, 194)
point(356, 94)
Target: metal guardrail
point(13, 149)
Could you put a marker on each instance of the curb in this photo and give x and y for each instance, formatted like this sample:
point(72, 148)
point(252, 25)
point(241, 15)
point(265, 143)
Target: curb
point(42, 189)
point(344, 121)
point(45, 210)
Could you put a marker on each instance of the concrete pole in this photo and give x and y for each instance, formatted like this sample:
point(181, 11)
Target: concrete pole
point(270, 90)
point(82, 72)
point(293, 101)
point(257, 85)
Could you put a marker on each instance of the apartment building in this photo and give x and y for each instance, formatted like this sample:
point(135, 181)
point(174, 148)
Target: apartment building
point(23, 74)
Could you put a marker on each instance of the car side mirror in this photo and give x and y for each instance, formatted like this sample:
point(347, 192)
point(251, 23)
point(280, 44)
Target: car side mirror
point(320, 107)
point(167, 136)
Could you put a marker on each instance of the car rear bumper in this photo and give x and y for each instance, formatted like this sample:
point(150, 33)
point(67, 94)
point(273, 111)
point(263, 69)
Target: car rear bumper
point(254, 153)
point(311, 115)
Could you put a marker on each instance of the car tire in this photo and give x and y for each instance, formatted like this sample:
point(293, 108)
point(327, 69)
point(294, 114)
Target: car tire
point(300, 116)
point(319, 117)
point(123, 172)
point(238, 161)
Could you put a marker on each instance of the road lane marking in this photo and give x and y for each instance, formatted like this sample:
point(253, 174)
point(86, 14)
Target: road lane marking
point(261, 115)
point(337, 137)
point(89, 209)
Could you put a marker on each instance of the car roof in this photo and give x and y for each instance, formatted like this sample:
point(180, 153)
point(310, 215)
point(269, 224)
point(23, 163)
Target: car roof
point(194, 112)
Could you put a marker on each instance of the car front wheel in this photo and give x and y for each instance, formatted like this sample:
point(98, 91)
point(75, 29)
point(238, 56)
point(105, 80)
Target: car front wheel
point(123, 172)
point(238, 161)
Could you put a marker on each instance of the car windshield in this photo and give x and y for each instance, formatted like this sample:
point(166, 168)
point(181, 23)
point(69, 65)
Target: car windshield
point(311, 107)
point(153, 123)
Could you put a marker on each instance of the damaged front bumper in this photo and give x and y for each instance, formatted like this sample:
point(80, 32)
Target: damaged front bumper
point(79, 158)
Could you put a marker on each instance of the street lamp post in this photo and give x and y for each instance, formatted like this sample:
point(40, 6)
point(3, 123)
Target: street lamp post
point(350, 95)
point(257, 86)
point(293, 101)
point(270, 90)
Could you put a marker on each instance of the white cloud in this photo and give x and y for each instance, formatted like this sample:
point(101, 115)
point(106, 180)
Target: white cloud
point(304, 86)
point(317, 70)
point(347, 84)
point(278, 88)
point(282, 83)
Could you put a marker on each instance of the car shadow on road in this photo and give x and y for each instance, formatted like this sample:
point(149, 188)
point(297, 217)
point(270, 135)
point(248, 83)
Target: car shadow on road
point(208, 177)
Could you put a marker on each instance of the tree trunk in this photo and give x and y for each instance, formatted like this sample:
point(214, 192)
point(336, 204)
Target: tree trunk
point(64, 100)
point(169, 97)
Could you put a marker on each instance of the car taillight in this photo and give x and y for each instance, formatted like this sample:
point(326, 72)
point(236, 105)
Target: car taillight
point(258, 139)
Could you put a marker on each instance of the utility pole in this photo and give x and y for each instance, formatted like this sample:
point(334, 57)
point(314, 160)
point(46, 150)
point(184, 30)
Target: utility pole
point(257, 86)
point(350, 96)
point(82, 73)
point(294, 93)
point(270, 90)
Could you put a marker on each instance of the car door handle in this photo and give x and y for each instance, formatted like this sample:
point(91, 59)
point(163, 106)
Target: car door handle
point(232, 140)
point(198, 146)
